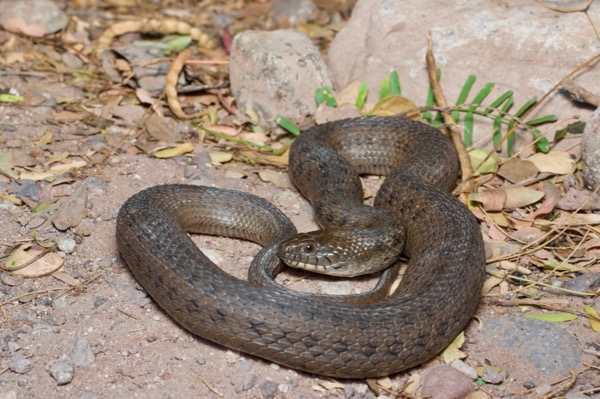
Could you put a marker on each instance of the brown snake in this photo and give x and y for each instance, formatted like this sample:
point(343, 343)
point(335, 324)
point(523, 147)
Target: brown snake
point(438, 293)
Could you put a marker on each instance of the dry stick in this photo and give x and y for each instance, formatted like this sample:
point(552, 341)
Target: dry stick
point(533, 107)
point(440, 99)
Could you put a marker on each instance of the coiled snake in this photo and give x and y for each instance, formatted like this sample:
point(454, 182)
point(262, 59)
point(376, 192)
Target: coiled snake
point(438, 293)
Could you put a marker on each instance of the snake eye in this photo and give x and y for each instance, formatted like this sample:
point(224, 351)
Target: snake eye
point(309, 247)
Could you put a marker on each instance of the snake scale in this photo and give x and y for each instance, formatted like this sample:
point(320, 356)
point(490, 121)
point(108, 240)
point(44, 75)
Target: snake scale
point(437, 296)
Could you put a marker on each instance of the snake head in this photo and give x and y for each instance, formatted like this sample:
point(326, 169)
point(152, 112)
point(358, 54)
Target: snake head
point(339, 252)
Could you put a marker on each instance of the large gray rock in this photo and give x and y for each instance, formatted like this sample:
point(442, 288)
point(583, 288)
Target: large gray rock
point(591, 150)
point(515, 44)
point(276, 73)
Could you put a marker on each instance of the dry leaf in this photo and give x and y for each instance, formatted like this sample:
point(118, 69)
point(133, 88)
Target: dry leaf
point(66, 167)
point(392, 105)
point(174, 151)
point(219, 157)
point(452, 351)
point(516, 170)
point(492, 200)
point(593, 317)
point(21, 261)
point(518, 197)
point(556, 162)
point(37, 176)
point(269, 176)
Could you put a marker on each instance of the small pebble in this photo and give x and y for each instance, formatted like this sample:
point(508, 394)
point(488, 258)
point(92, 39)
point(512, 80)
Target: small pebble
point(465, 369)
point(244, 365)
point(543, 389)
point(528, 384)
point(13, 346)
point(20, 365)
point(249, 382)
point(268, 389)
point(283, 388)
point(231, 357)
point(338, 288)
point(105, 263)
point(492, 376)
point(201, 361)
point(62, 372)
point(67, 245)
point(81, 354)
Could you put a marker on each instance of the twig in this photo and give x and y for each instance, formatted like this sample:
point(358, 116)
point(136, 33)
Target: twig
point(440, 99)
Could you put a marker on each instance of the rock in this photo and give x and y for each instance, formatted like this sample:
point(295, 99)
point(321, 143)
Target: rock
point(545, 347)
point(591, 150)
point(32, 17)
point(588, 282)
point(72, 209)
point(276, 73)
point(386, 35)
point(81, 354)
point(576, 199)
point(445, 382)
point(62, 372)
point(20, 365)
point(67, 245)
point(268, 389)
point(465, 369)
point(491, 375)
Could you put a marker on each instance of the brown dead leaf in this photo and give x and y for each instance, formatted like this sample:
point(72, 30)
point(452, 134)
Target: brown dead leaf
point(30, 260)
point(392, 105)
point(516, 170)
point(518, 197)
point(492, 200)
point(552, 195)
point(174, 151)
point(556, 162)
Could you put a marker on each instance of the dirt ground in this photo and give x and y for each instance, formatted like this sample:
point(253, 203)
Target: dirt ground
point(130, 347)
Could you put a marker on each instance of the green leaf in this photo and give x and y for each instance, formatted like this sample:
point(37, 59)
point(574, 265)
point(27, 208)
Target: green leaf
point(287, 124)
point(385, 88)
point(477, 156)
point(468, 136)
point(573, 128)
point(498, 102)
point(525, 107)
point(482, 95)
point(11, 98)
point(542, 120)
point(361, 97)
point(556, 317)
point(543, 145)
point(175, 43)
point(324, 94)
point(395, 88)
point(462, 96)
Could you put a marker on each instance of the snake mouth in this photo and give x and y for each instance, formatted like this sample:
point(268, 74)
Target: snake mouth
point(296, 264)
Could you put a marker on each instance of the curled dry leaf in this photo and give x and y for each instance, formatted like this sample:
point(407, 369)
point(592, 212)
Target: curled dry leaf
point(452, 351)
point(174, 151)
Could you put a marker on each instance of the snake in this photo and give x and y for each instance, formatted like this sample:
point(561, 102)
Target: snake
point(321, 334)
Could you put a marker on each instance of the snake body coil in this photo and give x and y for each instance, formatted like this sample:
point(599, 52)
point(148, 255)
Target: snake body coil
point(438, 293)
